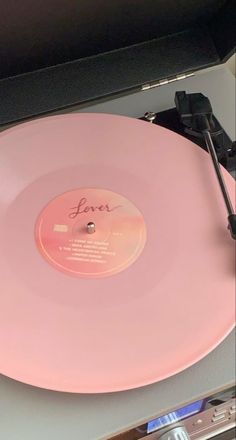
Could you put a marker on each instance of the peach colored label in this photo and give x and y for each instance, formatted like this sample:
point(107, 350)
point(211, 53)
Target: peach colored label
point(63, 238)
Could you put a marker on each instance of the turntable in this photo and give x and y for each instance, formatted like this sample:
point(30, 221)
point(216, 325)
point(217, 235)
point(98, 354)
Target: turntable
point(117, 241)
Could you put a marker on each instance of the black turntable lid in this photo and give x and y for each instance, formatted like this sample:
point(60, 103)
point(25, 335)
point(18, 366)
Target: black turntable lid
point(59, 53)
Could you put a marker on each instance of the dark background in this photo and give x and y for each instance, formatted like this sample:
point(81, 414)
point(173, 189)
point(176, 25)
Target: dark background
point(35, 34)
point(55, 54)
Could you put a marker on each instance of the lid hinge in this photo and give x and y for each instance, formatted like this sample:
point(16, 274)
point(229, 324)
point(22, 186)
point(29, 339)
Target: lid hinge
point(163, 82)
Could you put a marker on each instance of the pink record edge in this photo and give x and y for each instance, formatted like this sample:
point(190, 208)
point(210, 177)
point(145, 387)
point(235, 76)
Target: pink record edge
point(136, 385)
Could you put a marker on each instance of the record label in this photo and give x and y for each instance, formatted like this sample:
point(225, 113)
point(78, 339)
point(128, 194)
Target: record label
point(90, 233)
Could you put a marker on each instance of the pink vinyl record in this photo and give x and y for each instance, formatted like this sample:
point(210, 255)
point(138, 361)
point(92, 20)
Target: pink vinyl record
point(116, 266)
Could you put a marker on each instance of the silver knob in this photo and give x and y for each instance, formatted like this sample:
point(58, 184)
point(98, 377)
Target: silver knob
point(91, 227)
point(150, 116)
point(178, 433)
